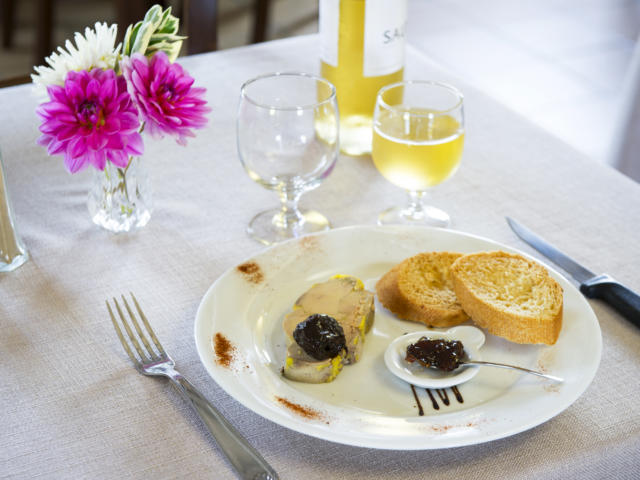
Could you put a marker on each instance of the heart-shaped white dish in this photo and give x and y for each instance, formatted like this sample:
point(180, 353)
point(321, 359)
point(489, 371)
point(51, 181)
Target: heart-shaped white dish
point(472, 339)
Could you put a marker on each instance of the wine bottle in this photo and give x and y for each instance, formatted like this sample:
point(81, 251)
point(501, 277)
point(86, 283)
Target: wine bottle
point(362, 50)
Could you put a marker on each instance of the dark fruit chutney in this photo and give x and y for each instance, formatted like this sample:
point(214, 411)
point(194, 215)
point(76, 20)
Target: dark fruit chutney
point(321, 336)
point(442, 354)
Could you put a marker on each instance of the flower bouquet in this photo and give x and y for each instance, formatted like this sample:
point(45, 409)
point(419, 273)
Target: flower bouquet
point(101, 97)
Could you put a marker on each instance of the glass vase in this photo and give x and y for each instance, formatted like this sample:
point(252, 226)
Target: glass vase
point(12, 251)
point(120, 199)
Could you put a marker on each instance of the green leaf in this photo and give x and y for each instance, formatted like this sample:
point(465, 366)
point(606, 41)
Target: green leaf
point(156, 32)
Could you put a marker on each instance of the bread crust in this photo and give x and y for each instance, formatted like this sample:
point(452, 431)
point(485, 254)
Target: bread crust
point(501, 311)
point(402, 290)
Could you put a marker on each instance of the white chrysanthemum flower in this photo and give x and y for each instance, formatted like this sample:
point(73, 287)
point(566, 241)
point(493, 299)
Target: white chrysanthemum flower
point(96, 49)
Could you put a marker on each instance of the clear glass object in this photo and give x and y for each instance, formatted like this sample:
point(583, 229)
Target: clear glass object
point(418, 138)
point(120, 199)
point(287, 133)
point(12, 251)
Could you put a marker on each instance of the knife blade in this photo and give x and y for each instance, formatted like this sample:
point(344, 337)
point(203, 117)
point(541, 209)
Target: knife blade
point(603, 287)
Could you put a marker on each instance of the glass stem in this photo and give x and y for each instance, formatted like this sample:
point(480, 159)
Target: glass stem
point(415, 206)
point(289, 215)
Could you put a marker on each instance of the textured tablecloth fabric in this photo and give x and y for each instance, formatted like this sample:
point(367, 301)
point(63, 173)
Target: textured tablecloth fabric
point(72, 406)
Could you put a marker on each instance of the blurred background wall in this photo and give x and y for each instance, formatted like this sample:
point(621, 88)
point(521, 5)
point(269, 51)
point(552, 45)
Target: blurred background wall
point(560, 63)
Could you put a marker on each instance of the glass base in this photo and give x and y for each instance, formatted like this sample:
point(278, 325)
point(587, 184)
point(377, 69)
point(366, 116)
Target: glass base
point(8, 265)
point(268, 227)
point(121, 199)
point(426, 216)
point(122, 222)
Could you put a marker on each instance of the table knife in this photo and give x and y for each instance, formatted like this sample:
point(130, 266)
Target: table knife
point(603, 287)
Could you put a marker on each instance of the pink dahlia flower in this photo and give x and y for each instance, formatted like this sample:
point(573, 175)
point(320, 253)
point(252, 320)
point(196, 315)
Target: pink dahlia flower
point(91, 120)
point(163, 92)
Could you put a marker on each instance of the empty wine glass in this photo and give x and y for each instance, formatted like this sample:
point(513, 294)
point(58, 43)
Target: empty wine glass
point(418, 137)
point(287, 132)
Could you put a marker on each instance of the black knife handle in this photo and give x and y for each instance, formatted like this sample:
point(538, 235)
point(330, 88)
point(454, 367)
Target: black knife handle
point(615, 294)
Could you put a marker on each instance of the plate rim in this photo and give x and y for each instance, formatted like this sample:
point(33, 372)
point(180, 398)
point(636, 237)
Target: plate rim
point(304, 427)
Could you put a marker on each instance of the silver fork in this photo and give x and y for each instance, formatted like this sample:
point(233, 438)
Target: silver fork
point(247, 461)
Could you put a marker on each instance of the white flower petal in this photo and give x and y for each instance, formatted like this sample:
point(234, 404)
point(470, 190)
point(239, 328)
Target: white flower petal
point(96, 49)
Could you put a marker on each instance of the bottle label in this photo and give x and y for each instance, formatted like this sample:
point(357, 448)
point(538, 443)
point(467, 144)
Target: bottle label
point(329, 24)
point(384, 32)
point(384, 29)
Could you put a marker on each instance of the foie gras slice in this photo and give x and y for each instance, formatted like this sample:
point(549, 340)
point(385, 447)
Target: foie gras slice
point(302, 367)
point(344, 298)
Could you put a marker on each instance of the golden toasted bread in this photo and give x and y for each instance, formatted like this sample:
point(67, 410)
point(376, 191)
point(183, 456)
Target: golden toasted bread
point(420, 289)
point(510, 296)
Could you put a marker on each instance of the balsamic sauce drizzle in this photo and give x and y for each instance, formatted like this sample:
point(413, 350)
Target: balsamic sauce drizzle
point(457, 393)
point(442, 394)
point(434, 402)
point(415, 395)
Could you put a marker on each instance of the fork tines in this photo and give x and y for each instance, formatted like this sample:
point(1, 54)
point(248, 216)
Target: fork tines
point(150, 354)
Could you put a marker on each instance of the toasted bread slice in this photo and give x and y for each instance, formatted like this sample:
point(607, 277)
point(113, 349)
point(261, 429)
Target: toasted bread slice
point(510, 296)
point(420, 289)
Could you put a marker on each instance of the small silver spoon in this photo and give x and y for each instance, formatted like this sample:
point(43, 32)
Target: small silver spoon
point(514, 367)
point(432, 377)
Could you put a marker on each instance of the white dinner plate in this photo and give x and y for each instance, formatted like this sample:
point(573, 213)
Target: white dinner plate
point(240, 341)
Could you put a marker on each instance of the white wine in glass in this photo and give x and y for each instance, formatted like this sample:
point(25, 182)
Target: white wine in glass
point(418, 138)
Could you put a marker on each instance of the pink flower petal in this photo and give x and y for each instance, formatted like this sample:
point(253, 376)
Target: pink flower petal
point(135, 146)
point(74, 164)
point(56, 148)
point(112, 125)
point(77, 147)
point(164, 95)
point(93, 89)
point(97, 141)
point(99, 159)
point(44, 140)
point(129, 121)
point(54, 108)
point(90, 120)
point(108, 90)
point(119, 158)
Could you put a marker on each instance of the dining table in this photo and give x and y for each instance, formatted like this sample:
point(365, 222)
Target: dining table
point(73, 406)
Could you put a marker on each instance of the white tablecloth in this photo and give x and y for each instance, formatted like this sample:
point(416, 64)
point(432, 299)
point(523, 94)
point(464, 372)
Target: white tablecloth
point(72, 406)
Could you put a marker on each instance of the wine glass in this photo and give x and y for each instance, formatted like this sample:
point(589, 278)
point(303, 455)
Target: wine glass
point(287, 132)
point(418, 137)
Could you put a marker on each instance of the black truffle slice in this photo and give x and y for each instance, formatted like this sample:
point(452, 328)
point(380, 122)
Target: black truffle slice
point(320, 336)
